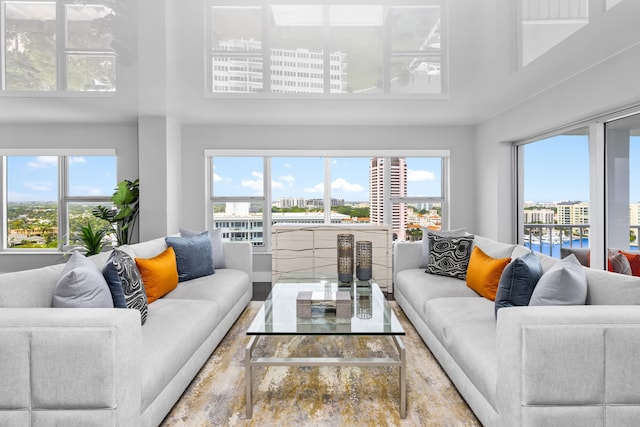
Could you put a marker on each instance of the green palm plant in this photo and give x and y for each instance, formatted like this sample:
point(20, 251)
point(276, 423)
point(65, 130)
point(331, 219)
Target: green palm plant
point(92, 240)
point(124, 211)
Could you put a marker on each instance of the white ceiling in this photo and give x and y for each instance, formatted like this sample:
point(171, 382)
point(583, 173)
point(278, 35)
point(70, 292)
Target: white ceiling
point(167, 77)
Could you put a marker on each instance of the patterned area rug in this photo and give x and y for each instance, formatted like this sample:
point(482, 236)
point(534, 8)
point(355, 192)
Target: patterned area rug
point(320, 396)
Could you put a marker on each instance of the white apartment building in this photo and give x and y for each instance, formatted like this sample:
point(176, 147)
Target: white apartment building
point(539, 216)
point(292, 70)
point(573, 213)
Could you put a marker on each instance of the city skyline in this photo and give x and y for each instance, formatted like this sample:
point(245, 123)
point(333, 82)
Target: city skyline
point(303, 177)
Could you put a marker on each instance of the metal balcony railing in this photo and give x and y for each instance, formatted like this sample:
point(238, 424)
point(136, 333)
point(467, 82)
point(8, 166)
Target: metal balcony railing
point(550, 10)
point(549, 238)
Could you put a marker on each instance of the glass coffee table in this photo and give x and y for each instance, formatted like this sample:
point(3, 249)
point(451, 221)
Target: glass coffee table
point(370, 312)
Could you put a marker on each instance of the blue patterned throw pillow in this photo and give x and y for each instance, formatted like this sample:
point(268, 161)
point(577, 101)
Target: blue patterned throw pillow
point(125, 283)
point(449, 256)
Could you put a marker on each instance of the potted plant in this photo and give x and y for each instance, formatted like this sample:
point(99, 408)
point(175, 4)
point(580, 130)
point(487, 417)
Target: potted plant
point(124, 211)
point(92, 240)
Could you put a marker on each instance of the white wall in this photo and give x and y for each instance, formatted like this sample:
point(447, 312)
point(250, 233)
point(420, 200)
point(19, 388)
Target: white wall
point(602, 78)
point(122, 138)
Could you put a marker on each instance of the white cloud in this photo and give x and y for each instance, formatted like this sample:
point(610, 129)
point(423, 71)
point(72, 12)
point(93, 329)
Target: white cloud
point(420, 175)
point(342, 184)
point(42, 162)
point(287, 178)
point(39, 186)
point(318, 188)
point(217, 178)
point(87, 190)
point(253, 184)
point(76, 159)
point(276, 184)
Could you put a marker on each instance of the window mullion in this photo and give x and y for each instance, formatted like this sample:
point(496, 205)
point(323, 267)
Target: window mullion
point(266, 210)
point(327, 190)
point(63, 209)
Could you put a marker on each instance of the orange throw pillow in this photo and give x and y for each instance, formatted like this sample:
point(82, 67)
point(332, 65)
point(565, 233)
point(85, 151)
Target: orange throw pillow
point(483, 273)
point(634, 261)
point(159, 274)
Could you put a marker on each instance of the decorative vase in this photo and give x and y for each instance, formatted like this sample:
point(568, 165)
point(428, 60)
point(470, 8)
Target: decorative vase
point(363, 260)
point(345, 258)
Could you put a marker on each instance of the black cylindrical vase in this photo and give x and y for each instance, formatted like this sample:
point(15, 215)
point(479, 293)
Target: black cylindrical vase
point(345, 258)
point(363, 260)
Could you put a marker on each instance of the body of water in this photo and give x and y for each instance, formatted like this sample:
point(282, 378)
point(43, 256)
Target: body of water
point(554, 249)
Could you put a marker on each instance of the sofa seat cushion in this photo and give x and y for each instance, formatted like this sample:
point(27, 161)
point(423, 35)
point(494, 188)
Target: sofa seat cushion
point(419, 287)
point(466, 327)
point(174, 330)
point(225, 287)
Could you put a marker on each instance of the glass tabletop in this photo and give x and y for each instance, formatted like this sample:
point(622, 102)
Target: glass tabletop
point(370, 313)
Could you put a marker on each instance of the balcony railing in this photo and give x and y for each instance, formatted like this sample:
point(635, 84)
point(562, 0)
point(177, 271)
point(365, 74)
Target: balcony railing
point(549, 238)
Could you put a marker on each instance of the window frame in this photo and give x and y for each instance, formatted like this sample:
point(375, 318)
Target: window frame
point(61, 55)
point(63, 199)
point(327, 156)
point(388, 54)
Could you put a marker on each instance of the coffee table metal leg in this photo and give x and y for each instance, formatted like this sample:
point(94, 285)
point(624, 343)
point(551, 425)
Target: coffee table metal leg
point(403, 375)
point(248, 381)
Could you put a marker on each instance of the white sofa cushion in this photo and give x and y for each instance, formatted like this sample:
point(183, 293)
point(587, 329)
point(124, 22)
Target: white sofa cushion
point(466, 327)
point(174, 330)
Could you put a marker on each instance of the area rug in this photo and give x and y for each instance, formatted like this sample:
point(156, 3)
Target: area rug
point(320, 396)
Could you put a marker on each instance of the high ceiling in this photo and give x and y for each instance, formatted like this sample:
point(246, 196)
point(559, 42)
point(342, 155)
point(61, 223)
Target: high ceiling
point(167, 74)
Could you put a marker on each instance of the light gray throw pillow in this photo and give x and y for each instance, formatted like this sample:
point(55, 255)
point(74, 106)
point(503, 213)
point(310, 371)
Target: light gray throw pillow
point(563, 284)
point(217, 251)
point(81, 284)
point(424, 261)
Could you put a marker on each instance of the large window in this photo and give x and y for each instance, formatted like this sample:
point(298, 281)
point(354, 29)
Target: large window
point(57, 46)
point(325, 48)
point(581, 188)
point(555, 184)
point(250, 194)
point(623, 185)
point(49, 198)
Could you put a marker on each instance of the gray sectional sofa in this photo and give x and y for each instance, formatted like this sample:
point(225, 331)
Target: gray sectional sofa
point(533, 366)
point(99, 366)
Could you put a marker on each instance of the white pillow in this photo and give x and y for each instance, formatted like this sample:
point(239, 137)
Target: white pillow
point(563, 284)
point(81, 284)
point(424, 261)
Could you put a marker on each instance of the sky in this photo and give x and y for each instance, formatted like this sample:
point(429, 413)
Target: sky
point(557, 169)
point(35, 178)
point(304, 177)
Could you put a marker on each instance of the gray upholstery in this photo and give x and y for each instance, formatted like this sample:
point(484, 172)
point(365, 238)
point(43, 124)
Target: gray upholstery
point(532, 366)
point(80, 366)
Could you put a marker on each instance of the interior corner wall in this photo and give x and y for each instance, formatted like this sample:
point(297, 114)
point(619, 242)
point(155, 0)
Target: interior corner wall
point(603, 88)
point(160, 148)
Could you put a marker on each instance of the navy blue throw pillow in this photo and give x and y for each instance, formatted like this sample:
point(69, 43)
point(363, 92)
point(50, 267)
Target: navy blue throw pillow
point(193, 256)
point(517, 282)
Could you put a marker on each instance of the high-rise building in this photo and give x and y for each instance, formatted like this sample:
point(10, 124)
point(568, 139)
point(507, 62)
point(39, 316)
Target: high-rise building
point(398, 189)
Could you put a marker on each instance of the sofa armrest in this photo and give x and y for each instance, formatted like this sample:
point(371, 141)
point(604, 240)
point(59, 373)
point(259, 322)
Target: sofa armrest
point(70, 366)
point(568, 365)
point(406, 255)
point(239, 256)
